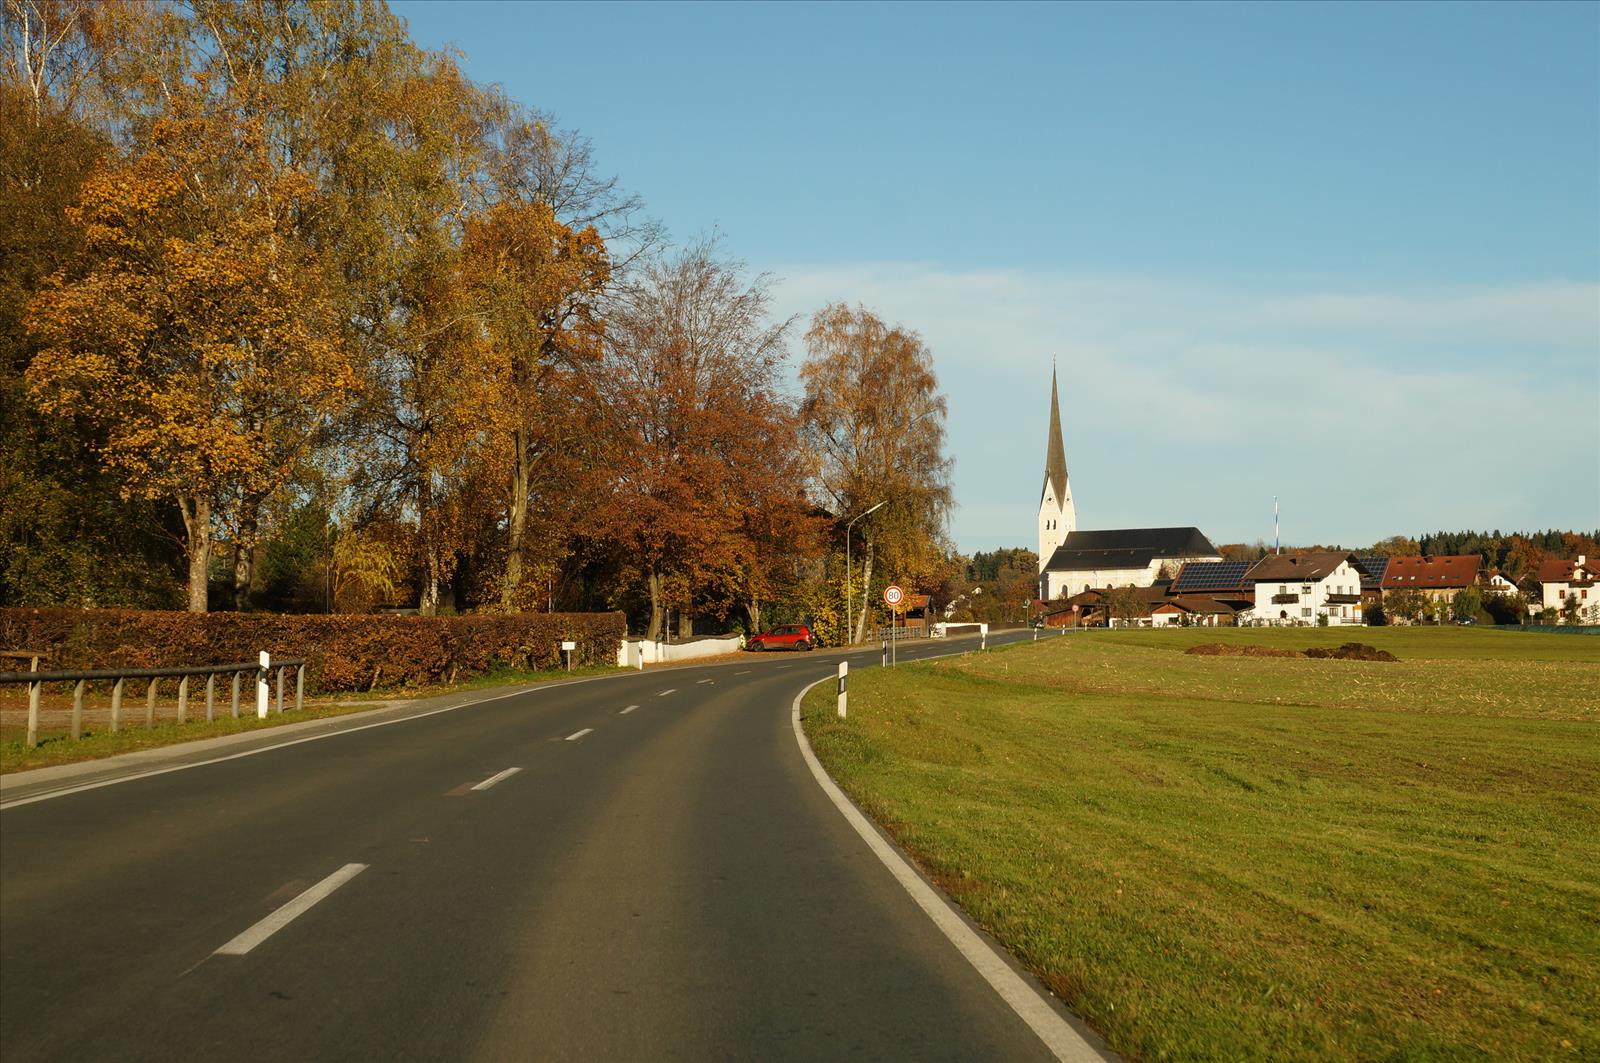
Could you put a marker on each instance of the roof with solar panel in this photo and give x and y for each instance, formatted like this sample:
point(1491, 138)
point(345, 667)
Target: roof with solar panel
point(1210, 577)
point(1372, 568)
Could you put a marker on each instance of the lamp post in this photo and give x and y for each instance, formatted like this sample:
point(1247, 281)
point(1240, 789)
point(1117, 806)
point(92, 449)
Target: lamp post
point(850, 628)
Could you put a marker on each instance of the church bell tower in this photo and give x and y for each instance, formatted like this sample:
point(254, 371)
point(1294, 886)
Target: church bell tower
point(1057, 516)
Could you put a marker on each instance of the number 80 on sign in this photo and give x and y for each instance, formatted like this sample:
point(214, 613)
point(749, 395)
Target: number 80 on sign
point(893, 595)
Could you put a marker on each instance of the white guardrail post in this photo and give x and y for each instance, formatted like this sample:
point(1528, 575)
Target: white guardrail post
point(844, 682)
point(261, 686)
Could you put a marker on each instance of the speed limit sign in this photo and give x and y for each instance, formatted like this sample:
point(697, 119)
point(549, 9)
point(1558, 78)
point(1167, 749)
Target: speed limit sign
point(892, 595)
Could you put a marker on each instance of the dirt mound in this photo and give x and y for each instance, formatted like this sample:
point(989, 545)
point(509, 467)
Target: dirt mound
point(1350, 651)
point(1218, 649)
point(1353, 651)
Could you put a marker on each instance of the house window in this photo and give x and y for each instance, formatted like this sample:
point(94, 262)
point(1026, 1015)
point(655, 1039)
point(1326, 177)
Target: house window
point(1306, 611)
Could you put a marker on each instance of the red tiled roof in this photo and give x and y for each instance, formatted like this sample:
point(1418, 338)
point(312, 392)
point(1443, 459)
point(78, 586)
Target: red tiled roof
point(1559, 571)
point(1451, 570)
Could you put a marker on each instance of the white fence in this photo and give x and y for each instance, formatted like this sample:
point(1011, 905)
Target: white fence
point(636, 653)
point(946, 630)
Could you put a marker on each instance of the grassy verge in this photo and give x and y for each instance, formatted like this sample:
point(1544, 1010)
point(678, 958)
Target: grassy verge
point(1261, 858)
point(56, 746)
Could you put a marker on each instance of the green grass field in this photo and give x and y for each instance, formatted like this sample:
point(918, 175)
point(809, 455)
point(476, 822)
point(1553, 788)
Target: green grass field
point(1263, 858)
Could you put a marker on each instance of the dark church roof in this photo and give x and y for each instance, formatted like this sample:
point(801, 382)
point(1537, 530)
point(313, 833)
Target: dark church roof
point(1127, 548)
point(1055, 462)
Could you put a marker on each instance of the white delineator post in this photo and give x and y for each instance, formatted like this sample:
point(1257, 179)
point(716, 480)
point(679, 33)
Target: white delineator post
point(844, 680)
point(261, 686)
point(983, 636)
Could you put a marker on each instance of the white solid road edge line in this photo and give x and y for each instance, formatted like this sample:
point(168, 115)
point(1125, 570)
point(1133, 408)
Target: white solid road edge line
point(574, 736)
point(497, 777)
point(289, 912)
point(1059, 1037)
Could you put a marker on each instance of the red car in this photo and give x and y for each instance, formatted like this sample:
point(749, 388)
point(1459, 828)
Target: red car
point(789, 637)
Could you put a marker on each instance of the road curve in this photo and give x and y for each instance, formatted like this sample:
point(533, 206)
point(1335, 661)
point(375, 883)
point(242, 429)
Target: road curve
point(639, 867)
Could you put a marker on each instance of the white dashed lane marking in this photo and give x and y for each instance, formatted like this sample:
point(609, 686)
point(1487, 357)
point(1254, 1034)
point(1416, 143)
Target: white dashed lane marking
point(574, 736)
point(627, 710)
point(664, 693)
point(289, 912)
point(497, 777)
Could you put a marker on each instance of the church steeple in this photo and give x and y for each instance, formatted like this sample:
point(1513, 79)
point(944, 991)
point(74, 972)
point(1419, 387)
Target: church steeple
point(1055, 462)
point(1057, 515)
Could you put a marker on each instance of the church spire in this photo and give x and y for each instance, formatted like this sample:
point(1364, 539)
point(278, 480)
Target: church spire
point(1055, 462)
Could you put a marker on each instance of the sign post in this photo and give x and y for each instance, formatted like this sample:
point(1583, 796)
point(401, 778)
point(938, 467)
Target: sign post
point(892, 597)
point(566, 650)
point(261, 686)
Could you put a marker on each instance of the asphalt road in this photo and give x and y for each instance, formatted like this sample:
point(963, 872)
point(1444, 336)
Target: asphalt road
point(663, 881)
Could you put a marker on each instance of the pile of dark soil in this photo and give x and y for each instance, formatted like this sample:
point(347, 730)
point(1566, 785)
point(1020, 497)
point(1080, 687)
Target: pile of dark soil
point(1353, 651)
point(1350, 651)
point(1217, 649)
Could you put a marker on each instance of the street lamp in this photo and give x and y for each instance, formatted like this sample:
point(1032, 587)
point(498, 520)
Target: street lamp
point(850, 629)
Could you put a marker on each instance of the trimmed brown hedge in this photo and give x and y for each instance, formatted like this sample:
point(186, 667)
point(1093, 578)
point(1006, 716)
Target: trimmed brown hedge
point(342, 652)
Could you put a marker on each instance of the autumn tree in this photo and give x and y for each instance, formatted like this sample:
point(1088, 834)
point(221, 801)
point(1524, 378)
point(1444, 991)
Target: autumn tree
point(873, 415)
point(706, 446)
point(195, 332)
point(537, 281)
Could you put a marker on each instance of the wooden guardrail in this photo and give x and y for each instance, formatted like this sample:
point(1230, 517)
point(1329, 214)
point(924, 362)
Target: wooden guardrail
point(36, 680)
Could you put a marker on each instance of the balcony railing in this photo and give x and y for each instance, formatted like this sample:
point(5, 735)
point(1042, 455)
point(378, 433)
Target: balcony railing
point(1285, 599)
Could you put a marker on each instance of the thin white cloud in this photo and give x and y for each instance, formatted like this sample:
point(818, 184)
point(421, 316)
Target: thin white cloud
point(1376, 412)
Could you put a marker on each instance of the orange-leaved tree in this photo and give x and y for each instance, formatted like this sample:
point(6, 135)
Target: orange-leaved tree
point(196, 330)
point(705, 442)
point(537, 281)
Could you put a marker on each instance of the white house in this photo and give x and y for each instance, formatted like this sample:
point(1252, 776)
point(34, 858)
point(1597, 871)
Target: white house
point(1498, 584)
point(1563, 580)
point(1301, 588)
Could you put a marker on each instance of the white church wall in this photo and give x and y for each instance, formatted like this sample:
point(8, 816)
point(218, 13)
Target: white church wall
point(1066, 584)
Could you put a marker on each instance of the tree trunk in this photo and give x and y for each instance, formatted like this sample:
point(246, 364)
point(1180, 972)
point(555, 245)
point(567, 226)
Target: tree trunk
point(685, 625)
point(244, 555)
point(753, 609)
point(428, 599)
point(521, 476)
point(196, 510)
point(655, 607)
point(866, 587)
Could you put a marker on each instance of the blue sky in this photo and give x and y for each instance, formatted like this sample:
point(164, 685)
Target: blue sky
point(1344, 254)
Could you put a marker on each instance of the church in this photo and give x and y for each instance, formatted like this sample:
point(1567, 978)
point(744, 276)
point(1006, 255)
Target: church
point(1072, 561)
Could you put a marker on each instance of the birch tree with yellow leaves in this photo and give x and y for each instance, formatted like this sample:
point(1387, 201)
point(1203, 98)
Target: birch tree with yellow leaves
point(195, 330)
